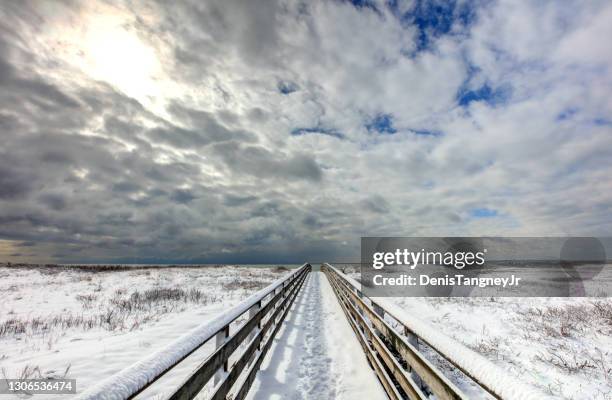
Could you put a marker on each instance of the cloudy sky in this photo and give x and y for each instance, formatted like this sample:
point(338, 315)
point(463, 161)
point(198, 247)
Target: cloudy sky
point(277, 131)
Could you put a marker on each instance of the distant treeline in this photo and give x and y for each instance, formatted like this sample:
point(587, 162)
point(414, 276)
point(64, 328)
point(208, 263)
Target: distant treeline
point(119, 267)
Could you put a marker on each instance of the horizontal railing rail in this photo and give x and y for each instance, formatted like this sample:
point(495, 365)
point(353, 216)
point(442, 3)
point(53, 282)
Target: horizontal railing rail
point(393, 351)
point(265, 312)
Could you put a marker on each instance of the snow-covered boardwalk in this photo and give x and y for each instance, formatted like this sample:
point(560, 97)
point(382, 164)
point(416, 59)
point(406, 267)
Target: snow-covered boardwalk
point(310, 335)
point(316, 355)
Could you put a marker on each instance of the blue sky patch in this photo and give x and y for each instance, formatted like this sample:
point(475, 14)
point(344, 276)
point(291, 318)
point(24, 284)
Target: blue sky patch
point(567, 113)
point(428, 184)
point(381, 123)
point(426, 132)
point(483, 213)
point(485, 93)
point(364, 4)
point(317, 131)
point(436, 18)
point(287, 87)
point(602, 121)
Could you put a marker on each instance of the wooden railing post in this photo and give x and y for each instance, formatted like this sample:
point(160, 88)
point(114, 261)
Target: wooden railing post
point(380, 312)
point(252, 312)
point(220, 339)
point(414, 341)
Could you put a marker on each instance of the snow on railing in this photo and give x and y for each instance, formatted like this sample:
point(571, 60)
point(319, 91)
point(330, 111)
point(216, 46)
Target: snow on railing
point(132, 380)
point(491, 378)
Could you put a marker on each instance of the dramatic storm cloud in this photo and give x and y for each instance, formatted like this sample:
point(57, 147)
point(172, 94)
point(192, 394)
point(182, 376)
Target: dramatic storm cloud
point(253, 131)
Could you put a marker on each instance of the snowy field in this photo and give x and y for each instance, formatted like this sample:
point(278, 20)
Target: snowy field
point(561, 345)
point(89, 323)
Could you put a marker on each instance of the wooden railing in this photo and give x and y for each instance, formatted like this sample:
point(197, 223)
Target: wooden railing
point(395, 343)
point(265, 318)
point(393, 354)
point(265, 311)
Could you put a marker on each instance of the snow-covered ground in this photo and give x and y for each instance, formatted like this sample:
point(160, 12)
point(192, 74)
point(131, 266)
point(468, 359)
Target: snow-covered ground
point(316, 355)
point(90, 324)
point(561, 345)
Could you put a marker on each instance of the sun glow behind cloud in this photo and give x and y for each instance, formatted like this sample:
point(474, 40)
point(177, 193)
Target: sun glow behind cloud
point(119, 57)
point(106, 46)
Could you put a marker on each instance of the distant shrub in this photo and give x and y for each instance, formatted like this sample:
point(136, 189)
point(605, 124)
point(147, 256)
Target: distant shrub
point(245, 284)
point(86, 300)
